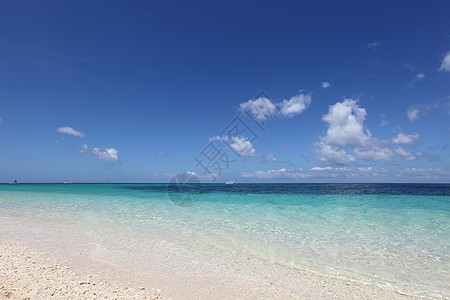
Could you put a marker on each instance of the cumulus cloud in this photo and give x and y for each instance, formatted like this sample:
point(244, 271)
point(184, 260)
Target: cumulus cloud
point(71, 131)
point(346, 127)
point(106, 153)
point(406, 139)
point(332, 155)
point(407, 155)
point(110, 154)
point(374, 153)
point(346, 132)
point(295, 105)
point(242, 146)
point(373, 45)
point(263, 108)
point(445, 65)
point(325, 84)
point(239, 144)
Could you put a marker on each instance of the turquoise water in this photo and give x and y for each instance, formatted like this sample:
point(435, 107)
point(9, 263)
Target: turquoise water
point(395, 233)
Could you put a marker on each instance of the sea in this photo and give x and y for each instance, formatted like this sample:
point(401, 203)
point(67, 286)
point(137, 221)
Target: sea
point(396, 233)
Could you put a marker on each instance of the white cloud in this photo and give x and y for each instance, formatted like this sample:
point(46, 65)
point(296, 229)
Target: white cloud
point(425, 174)
point(317, 172)
point(84, 149)
point(325, 84)
point(374, 45)
point(162, 154)
point(361, 174)
point(418, 110)
point(420, 76)
point(406, 139)
point(241, 145)
point(321, 169)
point(384, 123)
point(445, 65)
point(70, 130)
point(101, 153)
point(332, 155)
point(262, 108)
point(270, 157)
point(295, 105)
point(106, 153)
point(346, 132)
point(412, 113)
point(374, 153)
point(346, 126)
point(417, 78)
point(407, 155)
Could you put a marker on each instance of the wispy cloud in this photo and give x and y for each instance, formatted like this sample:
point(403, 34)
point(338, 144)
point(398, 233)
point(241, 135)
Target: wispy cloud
point(162, 154)
point(445, 65)
point(416, 111)
point(417, 78)
point(270, 157)
point(384, 122)
point(325, 84)
point(374, 45)
point(410, 67)
point(71, 131)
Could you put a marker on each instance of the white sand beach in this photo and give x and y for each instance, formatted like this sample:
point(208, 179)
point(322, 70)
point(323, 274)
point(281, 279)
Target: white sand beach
point(39, 261)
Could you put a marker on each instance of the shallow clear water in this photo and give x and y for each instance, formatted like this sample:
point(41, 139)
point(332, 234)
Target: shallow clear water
point(393, 232)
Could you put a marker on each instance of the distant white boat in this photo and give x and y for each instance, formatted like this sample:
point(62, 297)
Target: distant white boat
point(230, 182)
point(13, 182)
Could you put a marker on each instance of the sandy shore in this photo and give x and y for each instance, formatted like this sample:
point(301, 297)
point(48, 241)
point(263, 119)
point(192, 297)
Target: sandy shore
point(43, 261)
point(27, 274)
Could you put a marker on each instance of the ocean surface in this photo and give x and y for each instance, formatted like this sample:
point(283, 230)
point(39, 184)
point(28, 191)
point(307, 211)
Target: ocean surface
point(397, 233)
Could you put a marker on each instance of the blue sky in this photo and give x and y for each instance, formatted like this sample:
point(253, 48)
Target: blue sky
point(113, 91)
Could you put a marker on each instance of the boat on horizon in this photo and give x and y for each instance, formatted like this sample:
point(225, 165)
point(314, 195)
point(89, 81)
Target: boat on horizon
point(230, 182)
